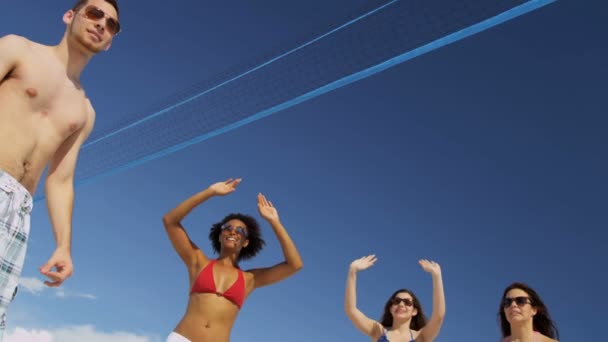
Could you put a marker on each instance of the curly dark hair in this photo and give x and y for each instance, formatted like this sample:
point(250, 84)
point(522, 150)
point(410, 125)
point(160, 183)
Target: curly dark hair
point(254, 235)
point(418, 321)
point(81, 3)
point(541, 322)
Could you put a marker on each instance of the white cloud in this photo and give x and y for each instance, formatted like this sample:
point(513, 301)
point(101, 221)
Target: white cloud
point(36, 286)
point(86, 295)
point(22, 335)
point(64, 294)
point(31, 285)
point(80, 333)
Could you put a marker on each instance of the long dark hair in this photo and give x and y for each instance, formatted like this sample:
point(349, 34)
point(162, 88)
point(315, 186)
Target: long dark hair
point(417, 322)
point(541, 322)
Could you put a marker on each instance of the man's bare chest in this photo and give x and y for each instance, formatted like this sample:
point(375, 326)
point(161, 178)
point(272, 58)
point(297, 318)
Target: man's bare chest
point(52, 97)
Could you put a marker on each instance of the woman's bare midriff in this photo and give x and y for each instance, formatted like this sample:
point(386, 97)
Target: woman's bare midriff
point(209, 318)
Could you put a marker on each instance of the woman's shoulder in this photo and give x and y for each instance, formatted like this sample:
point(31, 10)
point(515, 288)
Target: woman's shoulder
point(378, 331)
point(543, 338)
point(547, 339)
point(416, 333)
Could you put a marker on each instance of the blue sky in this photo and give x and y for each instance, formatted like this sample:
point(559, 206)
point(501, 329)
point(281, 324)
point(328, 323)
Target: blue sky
point(488, 156)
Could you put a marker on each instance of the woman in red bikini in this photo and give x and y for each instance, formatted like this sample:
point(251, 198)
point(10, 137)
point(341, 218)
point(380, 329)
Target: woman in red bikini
point(218, 287)
point(524, 317)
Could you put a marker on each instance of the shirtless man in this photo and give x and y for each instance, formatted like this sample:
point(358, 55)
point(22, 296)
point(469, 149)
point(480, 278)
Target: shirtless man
point(45, 116)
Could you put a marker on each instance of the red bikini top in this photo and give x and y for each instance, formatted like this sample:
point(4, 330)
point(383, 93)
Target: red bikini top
point(206, 284)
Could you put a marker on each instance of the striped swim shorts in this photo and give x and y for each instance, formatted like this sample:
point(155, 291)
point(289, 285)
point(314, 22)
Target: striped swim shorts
point(15, 207)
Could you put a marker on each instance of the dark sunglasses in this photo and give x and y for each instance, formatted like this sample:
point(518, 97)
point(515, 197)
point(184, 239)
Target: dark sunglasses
point(520, 301)
point(240, 230)
point(93, 13)
point(406, 301)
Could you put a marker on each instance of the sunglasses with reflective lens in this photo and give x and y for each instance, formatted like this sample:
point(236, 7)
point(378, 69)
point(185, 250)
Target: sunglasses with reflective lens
point(96, 14)
point(240, 230)
point(519, 301)
point(406, 301)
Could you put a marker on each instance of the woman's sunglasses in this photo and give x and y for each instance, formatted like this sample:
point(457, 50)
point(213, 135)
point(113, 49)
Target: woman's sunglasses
point(519, 301)
point(406, 301)
point(96, 14)
point(240, 230)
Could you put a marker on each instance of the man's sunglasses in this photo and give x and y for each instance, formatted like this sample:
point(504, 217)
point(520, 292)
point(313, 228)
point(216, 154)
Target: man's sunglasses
point(96, 14)
point(519, 301)
point(406, 301)
point(240, 230)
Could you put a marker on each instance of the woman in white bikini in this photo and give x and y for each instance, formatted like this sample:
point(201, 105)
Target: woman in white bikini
point(403, 319)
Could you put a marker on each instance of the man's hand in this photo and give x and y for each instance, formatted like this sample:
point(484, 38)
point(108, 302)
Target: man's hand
point(61, 260)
